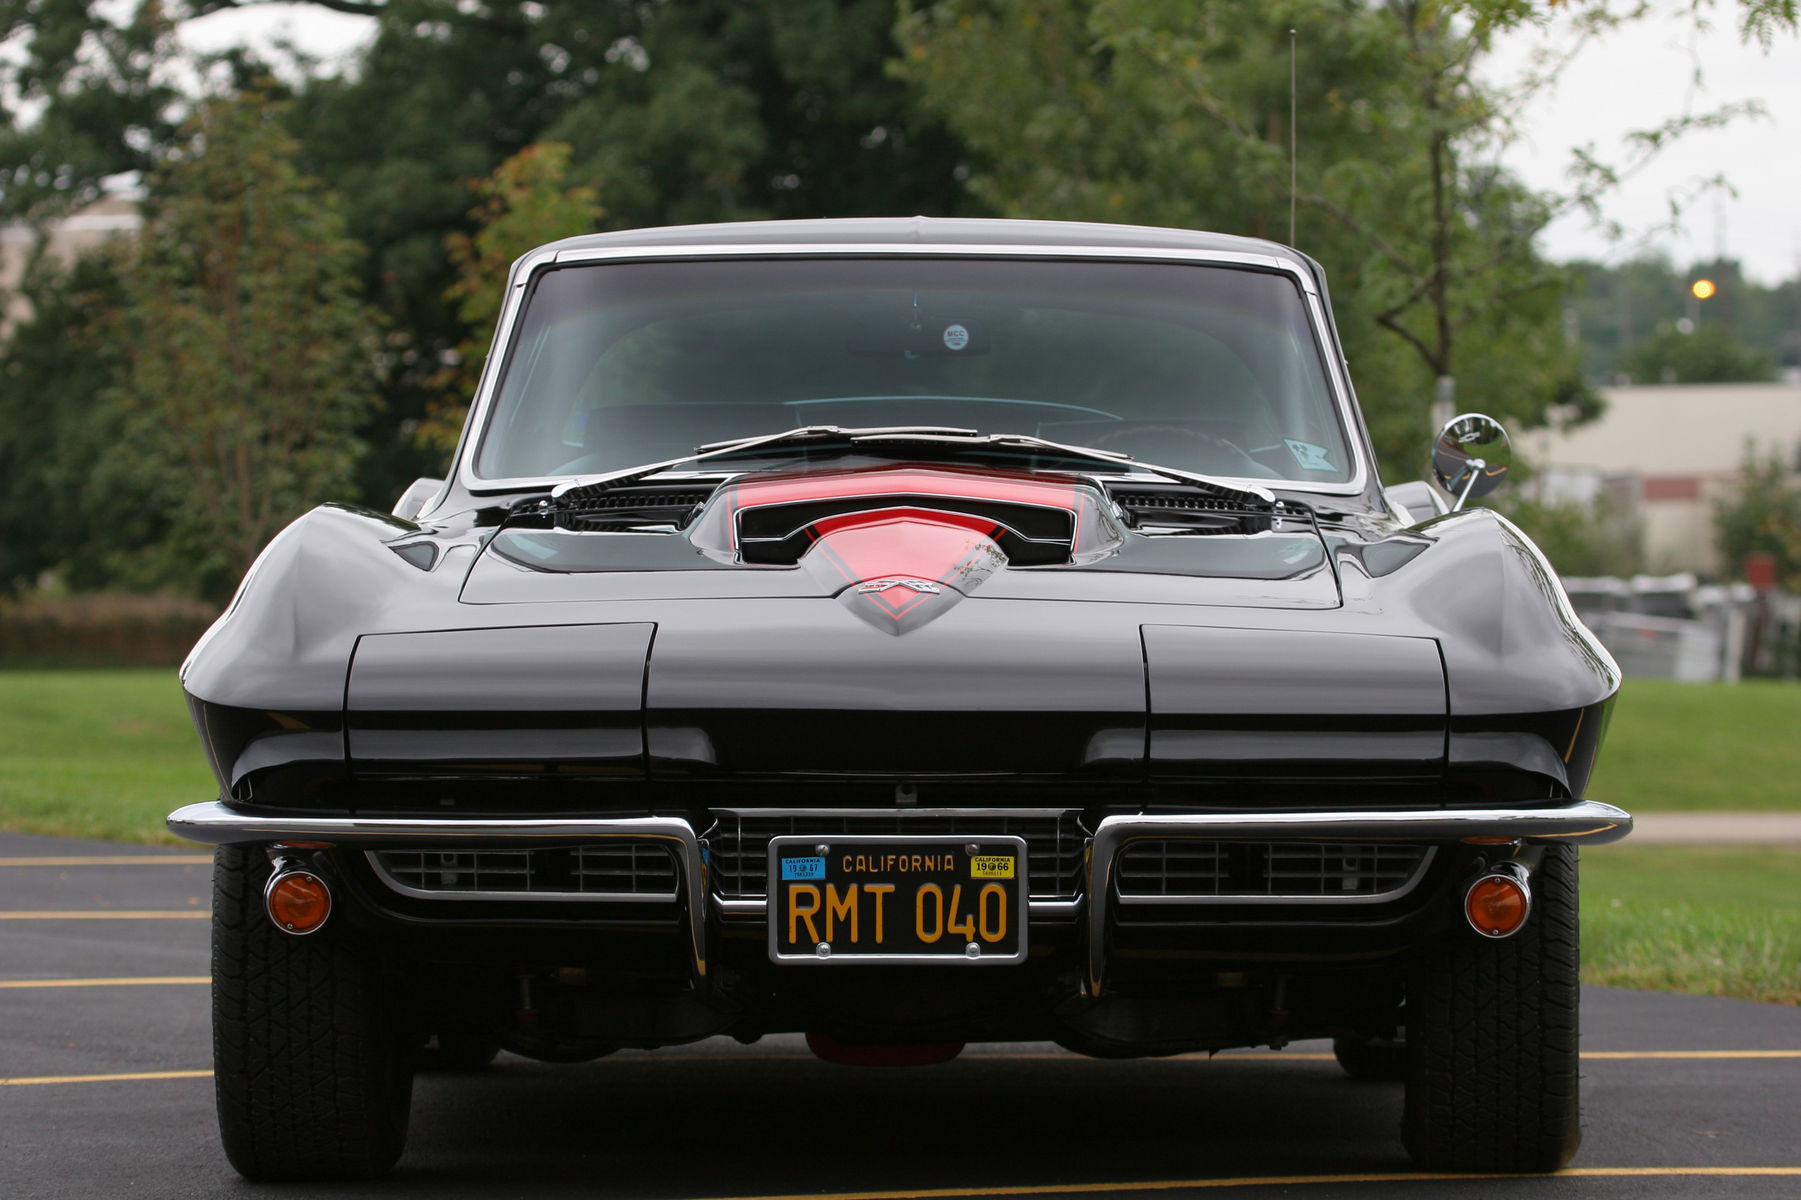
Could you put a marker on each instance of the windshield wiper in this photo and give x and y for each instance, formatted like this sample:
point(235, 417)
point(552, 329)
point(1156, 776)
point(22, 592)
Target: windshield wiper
point(1027, 441)
point(804, 435)
point(809, 436)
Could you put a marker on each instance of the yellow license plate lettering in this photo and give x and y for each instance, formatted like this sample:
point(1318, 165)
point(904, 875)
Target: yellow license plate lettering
point(797, 914)
point(966, 928)
point(840, 908)
point(961, 901)
point(935, 930)
point(879, 894)
point(993, 931)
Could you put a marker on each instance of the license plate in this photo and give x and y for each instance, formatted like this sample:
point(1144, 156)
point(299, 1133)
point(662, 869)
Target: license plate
point(870, 899)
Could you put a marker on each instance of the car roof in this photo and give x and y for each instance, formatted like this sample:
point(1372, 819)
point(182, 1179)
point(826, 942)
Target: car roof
point(947, 231)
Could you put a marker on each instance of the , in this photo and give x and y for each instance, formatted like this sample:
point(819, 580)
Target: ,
point(908, 633)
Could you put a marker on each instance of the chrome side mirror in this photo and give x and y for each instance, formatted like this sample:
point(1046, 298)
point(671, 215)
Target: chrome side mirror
point(1471, 457)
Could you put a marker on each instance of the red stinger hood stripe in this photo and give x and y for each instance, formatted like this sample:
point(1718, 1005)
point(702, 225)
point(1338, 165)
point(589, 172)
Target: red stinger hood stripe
point(906, 545)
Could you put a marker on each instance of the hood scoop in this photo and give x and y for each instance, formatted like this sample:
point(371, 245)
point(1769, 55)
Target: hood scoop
point(898, 546)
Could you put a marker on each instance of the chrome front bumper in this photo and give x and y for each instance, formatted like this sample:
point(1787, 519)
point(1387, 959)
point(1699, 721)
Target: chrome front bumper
point(1585, 821)
point(216, 825)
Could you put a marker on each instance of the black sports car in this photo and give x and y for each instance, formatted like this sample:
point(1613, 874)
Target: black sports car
point(908, 632)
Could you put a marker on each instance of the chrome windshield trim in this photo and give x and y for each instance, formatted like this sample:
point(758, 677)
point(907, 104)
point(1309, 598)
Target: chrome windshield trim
point(1280, 262)
point(214, 824)
point(538, 260)
point(1584, 821)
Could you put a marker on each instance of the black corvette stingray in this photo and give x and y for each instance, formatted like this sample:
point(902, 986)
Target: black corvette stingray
point(906, 632)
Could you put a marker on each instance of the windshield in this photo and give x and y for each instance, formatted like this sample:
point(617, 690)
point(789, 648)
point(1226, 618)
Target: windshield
point(1207, 368)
